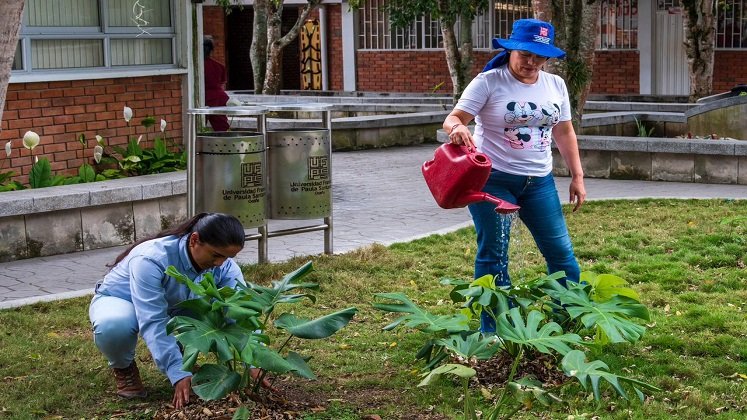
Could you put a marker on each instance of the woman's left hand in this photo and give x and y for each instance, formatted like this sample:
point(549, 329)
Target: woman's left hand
point(577, 192)
point(181, 392)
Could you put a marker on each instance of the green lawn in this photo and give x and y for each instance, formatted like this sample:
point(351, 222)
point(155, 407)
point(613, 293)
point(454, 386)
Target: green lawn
point(685, 258)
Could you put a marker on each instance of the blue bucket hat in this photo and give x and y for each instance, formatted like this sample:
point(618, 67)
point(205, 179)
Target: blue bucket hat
point(531, 35)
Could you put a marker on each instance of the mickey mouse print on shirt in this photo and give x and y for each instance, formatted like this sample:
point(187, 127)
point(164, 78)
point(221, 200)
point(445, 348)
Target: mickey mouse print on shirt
point(530, 125)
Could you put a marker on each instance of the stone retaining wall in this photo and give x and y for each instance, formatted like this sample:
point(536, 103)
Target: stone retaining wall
point(71, 218)
point(657, 159)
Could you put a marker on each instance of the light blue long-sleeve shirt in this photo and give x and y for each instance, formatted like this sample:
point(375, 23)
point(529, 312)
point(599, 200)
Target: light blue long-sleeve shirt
point(140, 278)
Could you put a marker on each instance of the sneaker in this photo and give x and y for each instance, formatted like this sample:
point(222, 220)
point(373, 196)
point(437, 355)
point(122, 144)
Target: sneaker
point(129, 384)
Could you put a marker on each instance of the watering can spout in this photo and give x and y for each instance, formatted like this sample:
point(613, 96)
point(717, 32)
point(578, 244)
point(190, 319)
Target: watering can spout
point(502, 207)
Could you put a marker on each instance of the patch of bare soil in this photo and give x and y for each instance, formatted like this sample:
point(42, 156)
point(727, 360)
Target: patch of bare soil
point(495, 372)
point(296, 398)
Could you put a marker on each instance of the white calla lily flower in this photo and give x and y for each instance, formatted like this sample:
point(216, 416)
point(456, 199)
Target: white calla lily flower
point(127, 113)
point(163, 125)
point(139, 138)
point(99, 140)
point(30, 140)
point(8, 149)
point(98, 151)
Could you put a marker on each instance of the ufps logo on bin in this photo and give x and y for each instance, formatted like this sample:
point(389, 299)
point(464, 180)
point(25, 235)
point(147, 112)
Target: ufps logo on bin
point(318, 167)
point(251, 174)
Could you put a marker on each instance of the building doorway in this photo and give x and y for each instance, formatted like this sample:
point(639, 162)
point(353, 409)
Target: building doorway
point(671, 73)
point(239, 27)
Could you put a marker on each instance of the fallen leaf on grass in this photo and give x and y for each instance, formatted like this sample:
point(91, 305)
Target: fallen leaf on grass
point(737, 375)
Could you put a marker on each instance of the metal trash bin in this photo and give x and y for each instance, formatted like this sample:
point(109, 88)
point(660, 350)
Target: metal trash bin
point(299, 173)
point(230, 176)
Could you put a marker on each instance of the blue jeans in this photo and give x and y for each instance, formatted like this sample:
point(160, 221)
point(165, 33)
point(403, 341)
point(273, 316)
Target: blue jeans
point(115, 329)
point(541, 213)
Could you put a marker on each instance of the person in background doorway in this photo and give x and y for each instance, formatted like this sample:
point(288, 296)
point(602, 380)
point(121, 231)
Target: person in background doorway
point(519, 110)
point(215, 86)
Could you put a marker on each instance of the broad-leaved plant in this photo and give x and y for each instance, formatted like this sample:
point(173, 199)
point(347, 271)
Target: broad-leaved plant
point(546, 315)
point(227, 330)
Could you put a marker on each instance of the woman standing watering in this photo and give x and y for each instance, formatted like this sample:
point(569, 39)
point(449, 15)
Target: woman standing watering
point(518, 110)
point(137, 297)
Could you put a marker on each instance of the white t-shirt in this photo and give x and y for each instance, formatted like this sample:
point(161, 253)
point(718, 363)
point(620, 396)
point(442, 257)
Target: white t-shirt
point(515, 119)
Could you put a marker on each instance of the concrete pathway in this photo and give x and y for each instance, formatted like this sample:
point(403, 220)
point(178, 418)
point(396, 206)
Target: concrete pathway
point(379, 196)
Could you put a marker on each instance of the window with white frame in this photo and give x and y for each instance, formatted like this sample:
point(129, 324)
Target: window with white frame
point(95, 34)
point(731, 26)
point(508, 11)
point(618, 26)
point(376, 32)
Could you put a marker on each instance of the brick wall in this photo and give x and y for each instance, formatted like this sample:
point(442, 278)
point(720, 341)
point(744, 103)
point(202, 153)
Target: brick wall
point(408, 71)
point(60, 111)
point(728, 70)
point(616, 72)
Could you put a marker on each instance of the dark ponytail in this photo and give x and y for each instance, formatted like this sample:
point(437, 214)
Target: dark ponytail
point(215, 229)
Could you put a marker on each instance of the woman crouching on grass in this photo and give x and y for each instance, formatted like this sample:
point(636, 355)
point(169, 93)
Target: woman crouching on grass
point(137, 297)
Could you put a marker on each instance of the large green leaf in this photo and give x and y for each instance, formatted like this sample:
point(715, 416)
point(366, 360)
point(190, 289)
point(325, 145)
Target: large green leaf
point(195, 288)
point(433, 354)
point(575, 365)
point(86, 173)
point(418, 317)
point(159, 148)
point(458, 285)
point(190, 358)
point(299, 365)
point(528, 389)
point(270, 360)
point(213, 382)
point(605, 286)
point(612, 316)
point(482, 294)
point(318, 328)
point(472, 345)
point(450, 369)
point(543, 339)
point(198, 307)
point(254, 341)
point(208, 336)
point(269, 297)
point(41, 174)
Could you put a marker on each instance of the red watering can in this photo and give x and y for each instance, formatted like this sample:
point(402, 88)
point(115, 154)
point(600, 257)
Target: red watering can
point(456, 176)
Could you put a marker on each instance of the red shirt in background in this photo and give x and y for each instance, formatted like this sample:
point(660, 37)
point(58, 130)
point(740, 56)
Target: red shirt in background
point(215, 95)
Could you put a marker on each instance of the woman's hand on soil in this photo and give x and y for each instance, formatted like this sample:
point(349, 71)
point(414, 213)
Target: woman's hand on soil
point(181, 392)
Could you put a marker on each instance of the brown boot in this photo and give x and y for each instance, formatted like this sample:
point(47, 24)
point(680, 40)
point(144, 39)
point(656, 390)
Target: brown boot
point(129, 384)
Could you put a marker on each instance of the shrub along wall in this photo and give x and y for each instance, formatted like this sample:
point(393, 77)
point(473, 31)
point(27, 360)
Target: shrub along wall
point(60, 111)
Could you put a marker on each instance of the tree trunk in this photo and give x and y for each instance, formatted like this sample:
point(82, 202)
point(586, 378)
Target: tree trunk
point(453, 59)
point(699, 27)
point(466, 55)
point(576, 25)
point(276, 43)
point(458, 57)
point(10, 26)
point(258, 49)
